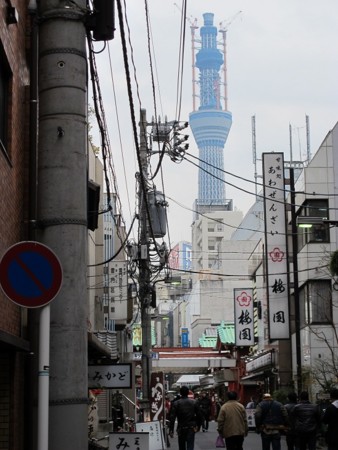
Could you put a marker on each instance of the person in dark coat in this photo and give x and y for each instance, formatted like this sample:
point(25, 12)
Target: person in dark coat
point(271, 417)
point(205, 405)
point(290, 433)
point(306, 419)
point(189, 419)
point(330, 418)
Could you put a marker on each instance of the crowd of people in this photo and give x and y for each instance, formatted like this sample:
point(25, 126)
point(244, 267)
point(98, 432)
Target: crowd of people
point(299, 420)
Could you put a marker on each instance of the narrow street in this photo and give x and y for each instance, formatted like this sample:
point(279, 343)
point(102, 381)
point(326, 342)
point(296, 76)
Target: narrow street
point(206, 441)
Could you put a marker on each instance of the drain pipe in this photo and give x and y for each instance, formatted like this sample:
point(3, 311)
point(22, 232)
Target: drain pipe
point(33, 314)
point(33, 122)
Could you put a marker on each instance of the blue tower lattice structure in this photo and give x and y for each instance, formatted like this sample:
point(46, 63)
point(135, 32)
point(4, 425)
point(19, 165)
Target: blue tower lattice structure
point(210, 124)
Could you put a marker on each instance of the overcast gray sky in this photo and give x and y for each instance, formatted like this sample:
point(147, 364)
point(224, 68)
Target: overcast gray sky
point(282, 64)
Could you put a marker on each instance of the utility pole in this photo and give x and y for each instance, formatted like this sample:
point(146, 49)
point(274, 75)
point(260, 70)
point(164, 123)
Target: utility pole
point(144, 269)
point(152, 225)
point(62, 211)
point(296, 282)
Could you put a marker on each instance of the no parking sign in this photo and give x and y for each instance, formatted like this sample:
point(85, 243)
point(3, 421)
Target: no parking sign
point(30, 274)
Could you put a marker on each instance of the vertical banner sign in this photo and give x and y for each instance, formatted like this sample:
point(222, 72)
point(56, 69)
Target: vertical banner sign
point(244, 317)
point(118, 289)
point(157, 396)
point(276, 245)
point(184, 337)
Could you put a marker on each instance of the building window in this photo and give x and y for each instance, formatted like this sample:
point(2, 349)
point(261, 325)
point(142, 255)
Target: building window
point(211, 227)
point(318, 233)
point(5, 81)
point(211, 244)
point(315, 299)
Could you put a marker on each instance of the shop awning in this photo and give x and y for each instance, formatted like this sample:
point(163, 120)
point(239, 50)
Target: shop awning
point(189, 380)
point(252, 378)
point(225, 375)
point(102, 344)
point(13, 343)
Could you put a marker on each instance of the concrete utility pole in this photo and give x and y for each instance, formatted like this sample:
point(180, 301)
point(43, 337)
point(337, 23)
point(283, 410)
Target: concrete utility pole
point(144, 270)
point(62, 210)
point(296, 282)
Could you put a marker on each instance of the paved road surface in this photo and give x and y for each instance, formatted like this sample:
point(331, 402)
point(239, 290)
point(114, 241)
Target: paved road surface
point(206, 441)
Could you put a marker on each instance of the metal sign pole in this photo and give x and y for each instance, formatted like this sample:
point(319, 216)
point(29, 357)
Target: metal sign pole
point(43, 378)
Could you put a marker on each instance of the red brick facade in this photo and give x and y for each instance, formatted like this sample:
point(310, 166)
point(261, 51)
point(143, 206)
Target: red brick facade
point(13, 216)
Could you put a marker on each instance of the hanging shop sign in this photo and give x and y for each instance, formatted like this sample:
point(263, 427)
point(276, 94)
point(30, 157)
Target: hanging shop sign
point(116, 376)
point(276, 245)
point(244, 317)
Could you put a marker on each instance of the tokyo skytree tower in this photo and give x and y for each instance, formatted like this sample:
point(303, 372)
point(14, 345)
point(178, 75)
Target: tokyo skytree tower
point(211, 123)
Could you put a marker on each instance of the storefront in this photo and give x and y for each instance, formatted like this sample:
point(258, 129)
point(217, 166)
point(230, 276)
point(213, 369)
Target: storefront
point(260, 376)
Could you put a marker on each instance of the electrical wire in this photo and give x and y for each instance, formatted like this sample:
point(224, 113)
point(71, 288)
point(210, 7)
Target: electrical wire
point(262, 197)
point(286, 191)
point(119, 250)
point(119, 132)
point(223, 275)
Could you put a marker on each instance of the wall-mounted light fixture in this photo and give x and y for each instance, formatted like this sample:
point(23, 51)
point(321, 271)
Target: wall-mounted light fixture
point(308, 222)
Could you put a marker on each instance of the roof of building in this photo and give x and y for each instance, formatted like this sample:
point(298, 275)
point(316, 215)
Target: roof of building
point(208, 338)
point(226, 332)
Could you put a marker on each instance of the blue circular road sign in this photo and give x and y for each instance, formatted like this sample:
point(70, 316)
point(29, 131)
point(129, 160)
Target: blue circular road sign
point(30, 274)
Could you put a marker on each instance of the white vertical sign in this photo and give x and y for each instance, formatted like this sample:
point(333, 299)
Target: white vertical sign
point(276, 245)
point(118, 290)
point(244, 317)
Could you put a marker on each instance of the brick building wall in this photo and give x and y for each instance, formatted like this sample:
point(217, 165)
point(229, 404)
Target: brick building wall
point(14, 45)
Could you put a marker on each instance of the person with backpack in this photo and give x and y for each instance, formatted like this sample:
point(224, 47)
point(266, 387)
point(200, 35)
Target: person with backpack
point(290, 433)
point(306, 419)
point(189, 419)
point(271, 419)
point(330, 418)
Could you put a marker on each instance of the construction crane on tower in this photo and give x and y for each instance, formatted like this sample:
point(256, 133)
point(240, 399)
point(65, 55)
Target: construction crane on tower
point(193, 28)
point(223, 28)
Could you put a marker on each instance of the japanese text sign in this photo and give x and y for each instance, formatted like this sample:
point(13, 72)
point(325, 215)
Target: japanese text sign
point(154, 429)
point(157, 396)
point(117, 376)
point(129, 441)
point(118, 288)
point(244, 317)
point(276, 245)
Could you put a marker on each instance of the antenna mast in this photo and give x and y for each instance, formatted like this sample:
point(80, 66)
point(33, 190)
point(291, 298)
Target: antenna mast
point(308, 149)
point(254, 154)
point(193, 27)
point(223, 30)
point(290, 140)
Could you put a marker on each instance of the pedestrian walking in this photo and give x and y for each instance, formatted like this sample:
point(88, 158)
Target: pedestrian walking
point(306, 417)
point(189, 419)
point(330, 418)
point(291, 433)
point(205, 405)
point(271, 419)
point(219, 402)
point(232, 422)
